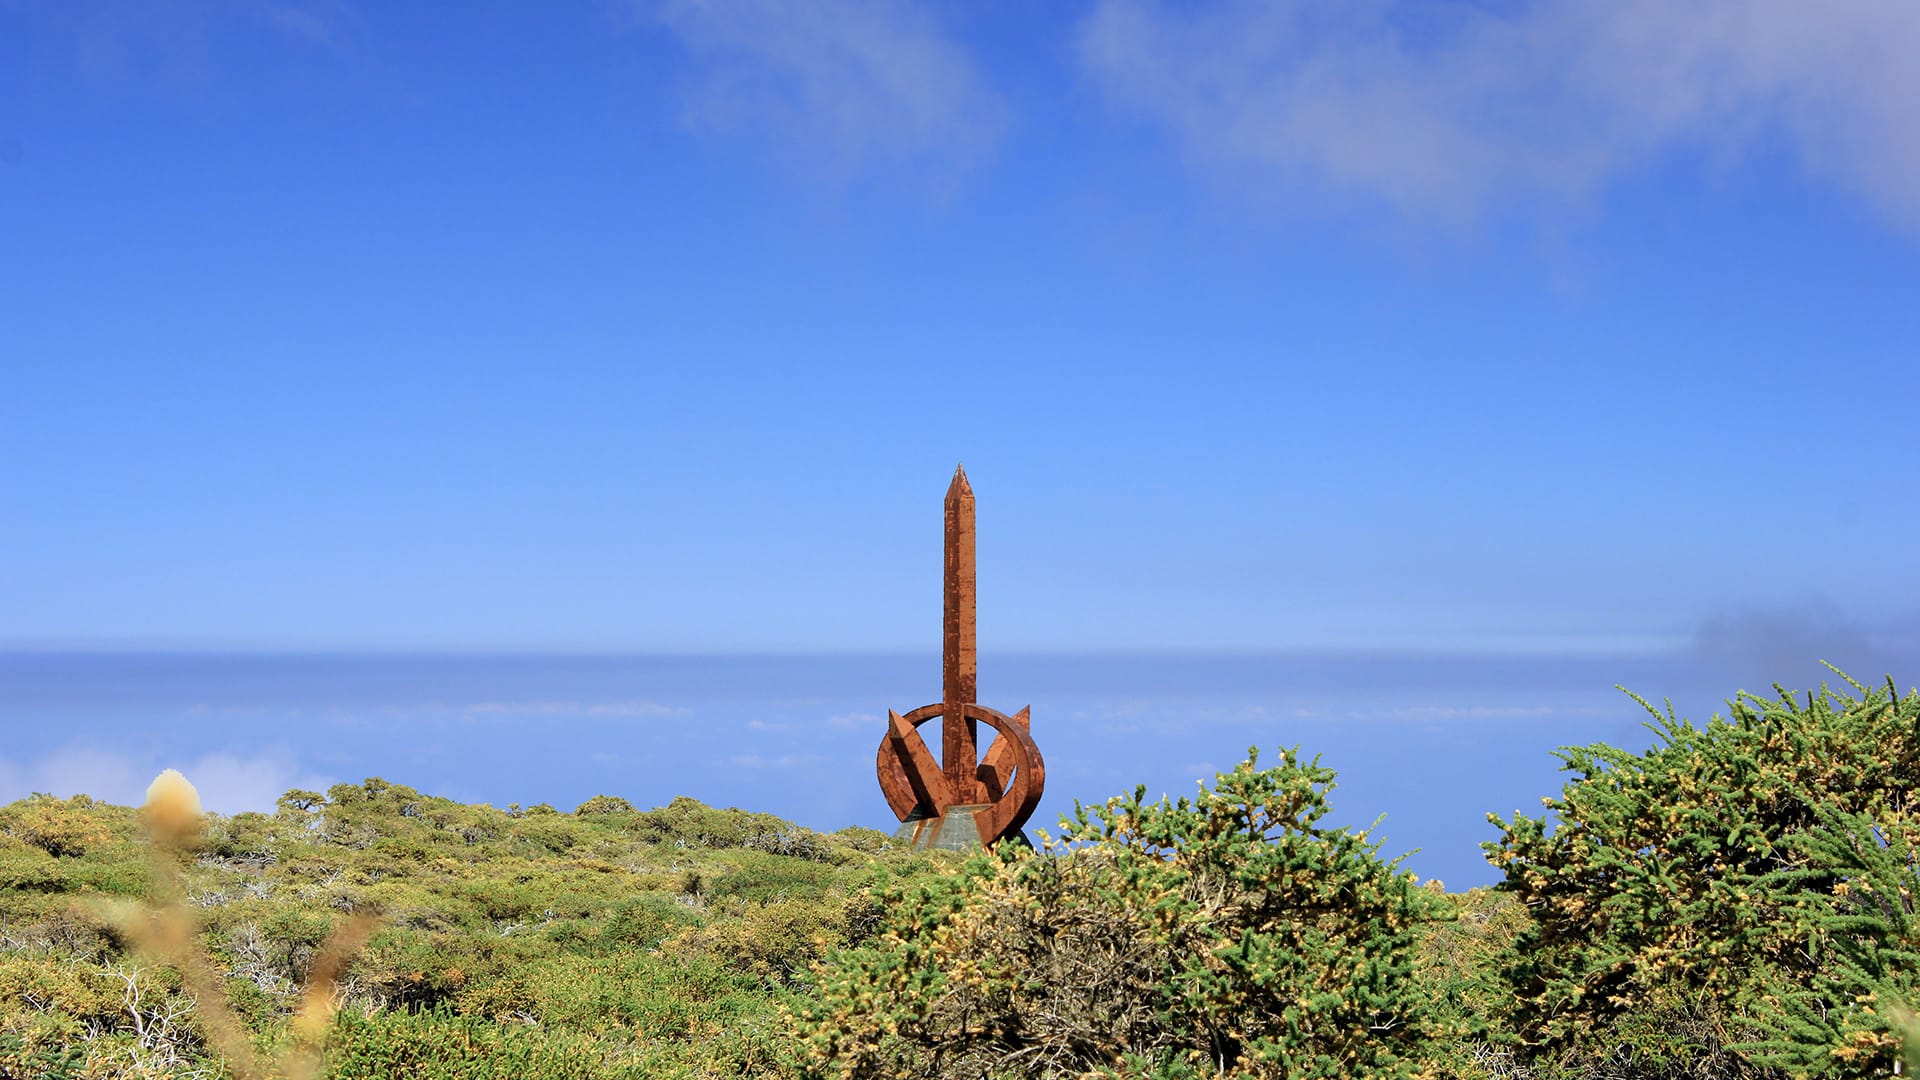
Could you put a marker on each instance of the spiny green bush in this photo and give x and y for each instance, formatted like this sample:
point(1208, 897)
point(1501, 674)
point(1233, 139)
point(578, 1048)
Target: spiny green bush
point(1233, 934)
point(1854, 1014)
point(1680, 890)
point(42, 1051)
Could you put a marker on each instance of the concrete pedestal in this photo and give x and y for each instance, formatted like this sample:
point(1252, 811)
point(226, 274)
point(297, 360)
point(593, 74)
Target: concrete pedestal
point(953, 831)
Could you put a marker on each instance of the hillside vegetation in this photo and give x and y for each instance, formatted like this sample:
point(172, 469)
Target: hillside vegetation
point(1737, 901)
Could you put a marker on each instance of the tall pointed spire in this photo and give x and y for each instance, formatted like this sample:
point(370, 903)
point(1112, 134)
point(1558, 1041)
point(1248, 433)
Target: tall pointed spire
point(959, 749)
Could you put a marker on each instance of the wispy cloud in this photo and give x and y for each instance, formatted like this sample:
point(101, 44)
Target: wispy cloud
point(1442, 111)
point(837, 722)
point(622, 709)
point(783, 762)
point(606, 710)
point(187, 48)
point(1478, 712)
point(838, 85)
point(317, 22)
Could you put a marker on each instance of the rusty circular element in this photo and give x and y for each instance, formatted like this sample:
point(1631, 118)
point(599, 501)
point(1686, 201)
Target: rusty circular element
point(1011, 808)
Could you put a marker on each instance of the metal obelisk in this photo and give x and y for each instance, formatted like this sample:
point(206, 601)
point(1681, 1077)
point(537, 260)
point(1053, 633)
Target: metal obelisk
point(960, 665)
point(965, 799)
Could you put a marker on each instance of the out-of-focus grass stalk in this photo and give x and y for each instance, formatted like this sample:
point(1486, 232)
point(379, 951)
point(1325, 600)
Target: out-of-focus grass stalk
point(319, 999)
point(1906, 1026)
point(165, 931)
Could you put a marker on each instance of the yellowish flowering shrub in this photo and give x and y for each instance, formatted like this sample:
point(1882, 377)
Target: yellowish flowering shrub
point(1233, 934)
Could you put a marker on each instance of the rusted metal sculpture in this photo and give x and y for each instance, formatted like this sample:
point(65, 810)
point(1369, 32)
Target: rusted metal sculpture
point(963, 798)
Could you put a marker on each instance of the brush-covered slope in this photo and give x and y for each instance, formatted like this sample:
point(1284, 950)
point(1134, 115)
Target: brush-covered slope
point(607, 941)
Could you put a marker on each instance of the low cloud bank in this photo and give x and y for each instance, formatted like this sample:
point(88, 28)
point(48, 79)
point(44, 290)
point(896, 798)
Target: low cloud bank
point(228, 783)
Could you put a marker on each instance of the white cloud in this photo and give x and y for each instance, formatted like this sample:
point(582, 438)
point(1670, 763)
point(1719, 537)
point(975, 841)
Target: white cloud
point(1481, 712)
point(838, 722)
point(1552, 101)
point(74, 770)
point(785, 762)
point(837, 85)
point(632, 709)
point(228, 783)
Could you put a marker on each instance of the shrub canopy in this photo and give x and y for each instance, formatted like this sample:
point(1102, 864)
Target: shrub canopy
point(1231, 934)
point(1701, 877)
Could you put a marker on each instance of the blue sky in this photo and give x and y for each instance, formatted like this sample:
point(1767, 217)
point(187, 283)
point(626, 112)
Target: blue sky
point(1562, 328)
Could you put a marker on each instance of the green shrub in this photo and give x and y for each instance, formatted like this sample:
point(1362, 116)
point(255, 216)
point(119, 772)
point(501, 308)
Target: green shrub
point(438, 1045)
point(1854, 1015)
point(863, 840)
point(46, 984)
point(687, 822)
point(641, 923)
point(1232, 934)
point(1457, 963)
point(604, 804)
point(548, 832)
point(41, 1052)
point(63, 828)
point(1677, 883)
point(242, 837)
point(777, 942)
point(762, 879)
point(63, 929)
point(255, 1007)
point(27, 867)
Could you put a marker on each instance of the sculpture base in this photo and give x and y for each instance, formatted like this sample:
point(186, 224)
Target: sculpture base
point(953, 831)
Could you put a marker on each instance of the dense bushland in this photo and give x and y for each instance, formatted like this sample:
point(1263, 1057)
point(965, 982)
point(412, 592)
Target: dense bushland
point(604, 942)
point(1736, 901)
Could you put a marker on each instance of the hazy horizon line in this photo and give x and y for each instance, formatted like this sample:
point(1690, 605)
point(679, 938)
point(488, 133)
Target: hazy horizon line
point(1547, 646)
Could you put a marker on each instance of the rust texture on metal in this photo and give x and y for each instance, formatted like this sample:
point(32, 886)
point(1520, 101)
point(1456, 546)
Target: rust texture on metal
point(959, 659)
point(996, 792)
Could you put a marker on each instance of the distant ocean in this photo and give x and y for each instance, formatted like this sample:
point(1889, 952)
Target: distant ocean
point(1432, 741)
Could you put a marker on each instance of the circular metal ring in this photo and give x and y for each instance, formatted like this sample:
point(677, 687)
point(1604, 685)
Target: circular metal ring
point(1016, 802)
